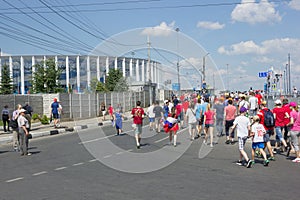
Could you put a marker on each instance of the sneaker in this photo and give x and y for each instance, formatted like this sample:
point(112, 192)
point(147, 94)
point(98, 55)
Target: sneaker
point(227, 142)
point(275, 151)
point(296, 160)
point(204, 141)
point(138, 146)
point(271, 158)
point(249, 163)
point(28, 154)
point(174, 145)
point(239, 162)
point(266, 163)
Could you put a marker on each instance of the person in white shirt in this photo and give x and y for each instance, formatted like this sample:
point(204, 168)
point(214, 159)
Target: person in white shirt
point(151, 116)
point(242, 123)
point(253, 105)
point(258, 131)
point(23, 132)
point(191, 120)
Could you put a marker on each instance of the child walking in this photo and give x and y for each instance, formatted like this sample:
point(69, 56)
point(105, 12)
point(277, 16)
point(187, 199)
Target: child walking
point(258, 131)
point(171, 126)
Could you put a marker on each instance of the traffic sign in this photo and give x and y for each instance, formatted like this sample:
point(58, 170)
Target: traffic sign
point(176, 86)
point(262, 74)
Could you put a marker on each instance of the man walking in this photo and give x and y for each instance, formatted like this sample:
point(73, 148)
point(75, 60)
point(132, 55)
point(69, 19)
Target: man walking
point(138, 116)
point(54, 111)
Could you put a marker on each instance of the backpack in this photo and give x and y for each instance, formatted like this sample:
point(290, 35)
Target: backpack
point(269, 120)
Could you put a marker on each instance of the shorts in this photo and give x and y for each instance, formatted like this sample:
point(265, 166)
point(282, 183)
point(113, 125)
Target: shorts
point(201, 120)
point(151, 119)
point(192, 126)
point(138, 129)
point(55, 116)
point(266, 137)
point(180, 117)
point(209, 125)
point(103, 112)
point(259, 145)
point(278, 133)
point(242, 142)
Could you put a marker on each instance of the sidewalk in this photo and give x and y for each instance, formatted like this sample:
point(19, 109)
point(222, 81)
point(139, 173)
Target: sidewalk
point(40, 130)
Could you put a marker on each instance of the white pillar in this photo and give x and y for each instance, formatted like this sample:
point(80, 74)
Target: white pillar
point(22, 76)
point(78, 73)
point(148, 71)
point(155, 72)
point(98, 68)
point(130, 67)
point(116, 63)
point(124, 67)
point(143, 71)
point(151, 71)
point(67, 73)
point(11, 74)
point(137, 73)
point(33, 64)
point(107, 65)
point(88, 66)
point(11, 69)
point(56, 65)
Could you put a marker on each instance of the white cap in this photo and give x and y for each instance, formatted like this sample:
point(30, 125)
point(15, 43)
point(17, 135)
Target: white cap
point(22, 110)
point(278, 102)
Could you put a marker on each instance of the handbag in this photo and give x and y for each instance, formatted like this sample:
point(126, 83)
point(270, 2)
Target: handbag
point(29, 136)
point(13, 124)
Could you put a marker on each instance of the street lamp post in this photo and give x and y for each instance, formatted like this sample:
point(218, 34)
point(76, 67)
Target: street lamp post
point(203, 67)
point(178, 78)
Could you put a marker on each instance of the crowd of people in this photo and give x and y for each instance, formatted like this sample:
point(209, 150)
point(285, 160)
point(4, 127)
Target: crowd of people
point(240, 117)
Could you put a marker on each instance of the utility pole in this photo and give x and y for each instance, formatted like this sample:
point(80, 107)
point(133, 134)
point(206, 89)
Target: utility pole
point(177, 30)
point(289, 65)
point(149, 70)
point(203, 69)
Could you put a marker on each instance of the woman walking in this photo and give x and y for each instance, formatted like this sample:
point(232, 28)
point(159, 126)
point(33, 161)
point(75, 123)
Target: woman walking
point(209, 120)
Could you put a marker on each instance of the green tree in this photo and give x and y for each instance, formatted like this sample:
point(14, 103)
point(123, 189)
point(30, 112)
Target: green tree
point(115, 81)
point(46, 78)
point(6, 86)
point(97, 86)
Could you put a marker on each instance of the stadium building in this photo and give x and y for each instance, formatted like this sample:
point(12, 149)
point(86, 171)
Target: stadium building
point(78, 70)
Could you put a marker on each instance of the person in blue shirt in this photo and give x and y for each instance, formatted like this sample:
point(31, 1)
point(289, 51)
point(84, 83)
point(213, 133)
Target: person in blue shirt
point(55, 111)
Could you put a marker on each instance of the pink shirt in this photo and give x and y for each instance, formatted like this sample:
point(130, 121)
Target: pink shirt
point(230, 111)
point(296, 116)
point(209, 116)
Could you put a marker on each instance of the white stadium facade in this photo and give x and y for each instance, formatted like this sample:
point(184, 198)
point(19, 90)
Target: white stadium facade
point(79, 70)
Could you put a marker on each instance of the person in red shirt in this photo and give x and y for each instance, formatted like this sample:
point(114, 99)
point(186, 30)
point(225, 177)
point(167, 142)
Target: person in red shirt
point(287, 109)
point(229, 116)
point(279, 114)
point(111, 113)
point(138, 116)
point(259, 97)
point(269, 130)
point(179, 114)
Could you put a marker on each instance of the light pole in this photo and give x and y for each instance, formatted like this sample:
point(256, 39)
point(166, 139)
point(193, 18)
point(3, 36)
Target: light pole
point(177, 30)
point(203, 67)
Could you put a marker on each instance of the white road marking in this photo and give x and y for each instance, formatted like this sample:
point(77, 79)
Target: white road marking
point(94, 140)
point(40, 173)
point(93, 160)
point(130, 150)
point(60, 168)
point(157, 141)
point(119, 153)
point(15, 179)
point(77, 164)
point(107, 156)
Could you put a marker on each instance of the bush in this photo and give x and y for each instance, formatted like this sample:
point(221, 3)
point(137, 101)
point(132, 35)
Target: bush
point(44, 120)
point(35, 116)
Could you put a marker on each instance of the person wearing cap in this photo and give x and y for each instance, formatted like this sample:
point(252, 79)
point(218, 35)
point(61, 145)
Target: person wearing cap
point(295, 129)
point(15, 116)
point(23, 132)
point(279, 114)
point(54, 111)
point(242, 123)
point(257, 132)
point(269, 130)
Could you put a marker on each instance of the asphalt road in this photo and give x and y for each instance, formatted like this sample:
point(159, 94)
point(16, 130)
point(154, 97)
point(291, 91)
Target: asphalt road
point(65, 167)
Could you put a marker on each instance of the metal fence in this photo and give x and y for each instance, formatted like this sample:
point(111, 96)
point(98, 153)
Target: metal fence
point(76, 106)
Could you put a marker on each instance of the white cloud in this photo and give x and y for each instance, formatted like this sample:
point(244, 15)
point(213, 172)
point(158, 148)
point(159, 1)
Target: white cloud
point(264, 59)
point(283, 45)
point(248, 47)
point(295, 4)
point(210, 25)
point(250, 11)
point(163, 29)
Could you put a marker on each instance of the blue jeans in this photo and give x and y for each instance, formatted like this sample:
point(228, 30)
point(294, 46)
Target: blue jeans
point(278, 133)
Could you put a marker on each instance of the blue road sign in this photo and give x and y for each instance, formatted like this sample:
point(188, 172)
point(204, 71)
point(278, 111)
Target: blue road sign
point(175, 86)
point(262, 74)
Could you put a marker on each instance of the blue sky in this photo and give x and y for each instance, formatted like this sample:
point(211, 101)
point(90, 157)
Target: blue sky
point(248, 36)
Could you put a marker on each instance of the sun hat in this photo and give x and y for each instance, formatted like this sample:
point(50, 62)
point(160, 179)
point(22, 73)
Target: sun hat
point(278, 102)
point(293, 104)
point(22, 110)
